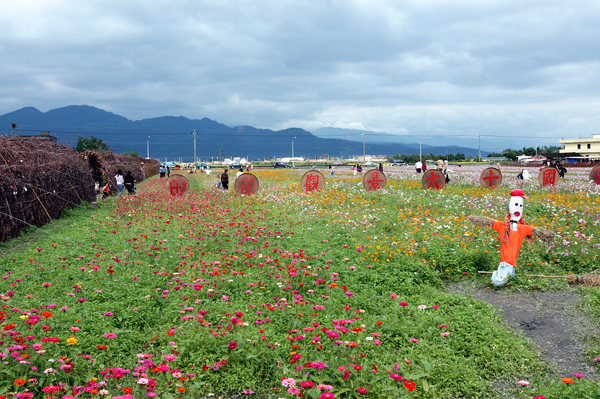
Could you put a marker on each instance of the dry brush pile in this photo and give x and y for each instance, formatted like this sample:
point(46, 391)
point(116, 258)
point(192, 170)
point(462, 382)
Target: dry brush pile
point(39, 179)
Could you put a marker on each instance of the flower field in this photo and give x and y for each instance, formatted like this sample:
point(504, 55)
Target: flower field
point(331, 294)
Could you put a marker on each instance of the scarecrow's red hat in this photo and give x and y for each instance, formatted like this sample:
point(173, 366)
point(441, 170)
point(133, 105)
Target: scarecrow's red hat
point(518, 193)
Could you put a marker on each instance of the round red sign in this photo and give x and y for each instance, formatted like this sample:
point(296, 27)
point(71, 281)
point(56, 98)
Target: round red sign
point(246, 184)
point(374, 179)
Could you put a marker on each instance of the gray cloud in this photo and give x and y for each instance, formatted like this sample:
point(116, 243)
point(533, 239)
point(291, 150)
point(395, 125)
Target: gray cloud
point(406, 67)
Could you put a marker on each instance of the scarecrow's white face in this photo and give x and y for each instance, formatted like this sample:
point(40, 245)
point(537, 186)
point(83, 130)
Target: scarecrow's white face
point(515, 208)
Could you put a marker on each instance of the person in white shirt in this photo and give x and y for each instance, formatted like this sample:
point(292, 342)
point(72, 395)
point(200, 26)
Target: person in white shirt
point(418, 166)
point(239, 173)
point(120, 181)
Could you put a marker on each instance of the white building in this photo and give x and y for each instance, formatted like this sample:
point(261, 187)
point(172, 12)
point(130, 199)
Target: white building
point(587, 147)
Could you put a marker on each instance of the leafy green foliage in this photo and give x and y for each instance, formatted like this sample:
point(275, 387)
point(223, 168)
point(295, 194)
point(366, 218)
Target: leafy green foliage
point(91, 143)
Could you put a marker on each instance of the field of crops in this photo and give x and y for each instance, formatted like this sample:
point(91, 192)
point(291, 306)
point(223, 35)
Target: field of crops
point(332, 294)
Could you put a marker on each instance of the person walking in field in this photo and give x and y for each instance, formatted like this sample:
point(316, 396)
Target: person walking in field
point(418, 166)
point(129, 182)
point(225, 180)
point(120, 182)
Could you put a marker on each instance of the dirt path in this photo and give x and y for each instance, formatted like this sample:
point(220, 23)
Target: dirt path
point(548, 319)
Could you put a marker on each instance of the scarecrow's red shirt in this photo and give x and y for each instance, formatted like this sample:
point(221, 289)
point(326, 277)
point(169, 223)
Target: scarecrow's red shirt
point(509, 253)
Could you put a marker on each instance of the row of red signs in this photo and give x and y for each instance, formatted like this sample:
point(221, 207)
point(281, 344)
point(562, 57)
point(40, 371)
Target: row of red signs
point(313, 180)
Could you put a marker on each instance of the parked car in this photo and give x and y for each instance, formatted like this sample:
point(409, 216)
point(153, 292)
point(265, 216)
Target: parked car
point(397, 164)
point(280, 165)
point(235, 166)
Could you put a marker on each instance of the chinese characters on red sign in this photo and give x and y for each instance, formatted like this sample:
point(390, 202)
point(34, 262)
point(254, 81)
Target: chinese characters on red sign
point(374, 180)
point(246, 184)
point(548, 176)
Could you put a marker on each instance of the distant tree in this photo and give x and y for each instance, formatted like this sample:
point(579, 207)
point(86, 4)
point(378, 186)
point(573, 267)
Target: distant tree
point(134, 154)
point(90, 144)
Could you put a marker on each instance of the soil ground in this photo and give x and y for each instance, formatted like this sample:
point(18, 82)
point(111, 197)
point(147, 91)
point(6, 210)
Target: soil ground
point(548, 319)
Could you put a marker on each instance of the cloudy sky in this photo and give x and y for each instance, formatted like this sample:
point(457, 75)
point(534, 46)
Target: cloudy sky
point(458, 68)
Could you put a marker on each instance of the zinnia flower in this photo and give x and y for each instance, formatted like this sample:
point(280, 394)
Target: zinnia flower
point(232, 345)
point(72, 341)
point(523, 383)
point(288, 382)
point(567, 380)
point(362, 390)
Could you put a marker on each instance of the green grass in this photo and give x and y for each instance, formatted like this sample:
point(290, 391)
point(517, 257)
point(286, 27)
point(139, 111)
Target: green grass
point(173, 272)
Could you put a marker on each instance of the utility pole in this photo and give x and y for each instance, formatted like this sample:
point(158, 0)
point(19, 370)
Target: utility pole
point(363, 149)
point(479, 156)
point(148, 148)
point(219, 155)
point(293, 166)
point(195, 134)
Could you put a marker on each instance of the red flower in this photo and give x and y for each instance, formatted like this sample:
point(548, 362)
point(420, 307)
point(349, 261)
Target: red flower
point(127, 390)
point(362, 390)
point(410, 385)
point(358, 367)
point(101, 347)
point(232, 345)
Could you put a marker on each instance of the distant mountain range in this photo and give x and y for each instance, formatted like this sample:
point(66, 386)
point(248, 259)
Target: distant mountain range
point(171, 137)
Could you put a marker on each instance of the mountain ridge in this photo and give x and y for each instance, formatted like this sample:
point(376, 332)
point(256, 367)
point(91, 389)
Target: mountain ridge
point(169, 137)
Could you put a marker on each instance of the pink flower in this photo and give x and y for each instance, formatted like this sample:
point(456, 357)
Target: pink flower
point(393, 296)
point(110, 335)
point(349, 293)
point(444, 334)
point(232, 345)
point(578, 375)
point(362, 390)
point(403, 304)
point(326, 395)
point(414, 340)
point(288, 382)
point(523, 383)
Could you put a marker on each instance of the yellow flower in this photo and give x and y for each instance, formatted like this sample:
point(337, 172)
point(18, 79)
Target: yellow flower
point(72, 341)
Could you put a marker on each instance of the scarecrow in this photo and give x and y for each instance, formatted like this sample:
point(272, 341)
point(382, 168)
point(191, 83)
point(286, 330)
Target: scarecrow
point(513, 230)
